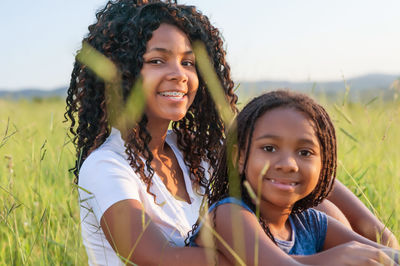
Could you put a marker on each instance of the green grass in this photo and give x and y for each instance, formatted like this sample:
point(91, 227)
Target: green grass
point(369, 155)
point(39, 214)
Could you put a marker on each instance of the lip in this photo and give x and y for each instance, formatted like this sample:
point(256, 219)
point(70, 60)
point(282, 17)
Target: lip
point(283, 184)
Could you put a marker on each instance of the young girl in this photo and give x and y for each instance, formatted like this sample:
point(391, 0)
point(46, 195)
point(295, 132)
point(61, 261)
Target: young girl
point(286, 148)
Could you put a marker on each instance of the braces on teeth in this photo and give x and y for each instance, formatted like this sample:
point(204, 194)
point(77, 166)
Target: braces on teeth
point(172, 93)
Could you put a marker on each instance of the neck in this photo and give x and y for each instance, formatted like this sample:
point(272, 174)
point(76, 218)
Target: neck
point(277, 219)
point(158, 132)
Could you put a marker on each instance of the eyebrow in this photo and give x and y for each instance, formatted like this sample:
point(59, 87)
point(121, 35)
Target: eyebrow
point(271, 136)
point(167, 51)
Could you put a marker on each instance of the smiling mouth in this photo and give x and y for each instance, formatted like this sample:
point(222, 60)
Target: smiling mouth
point(275, 181)
point(174, 94)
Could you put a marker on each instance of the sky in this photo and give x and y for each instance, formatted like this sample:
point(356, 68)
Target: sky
point(294, 40)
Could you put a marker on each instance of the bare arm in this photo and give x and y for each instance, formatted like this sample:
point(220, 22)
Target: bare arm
point(332, 210)
point(136, 238)
point(338, 234)
point(360, 217)
point(343, 246)
point(350, 253)
point(238, 229)
point(230, 218)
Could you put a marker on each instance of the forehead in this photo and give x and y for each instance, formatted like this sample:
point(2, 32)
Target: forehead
point(285, 122)
point(168, 36)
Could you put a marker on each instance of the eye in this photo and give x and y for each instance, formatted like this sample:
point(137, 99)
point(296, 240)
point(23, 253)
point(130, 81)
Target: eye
point(155, 61)
point(188, 63)
point(269, 148)
point(305, 153)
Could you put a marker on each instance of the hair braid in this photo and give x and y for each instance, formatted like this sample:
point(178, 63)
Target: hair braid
point(218, 188)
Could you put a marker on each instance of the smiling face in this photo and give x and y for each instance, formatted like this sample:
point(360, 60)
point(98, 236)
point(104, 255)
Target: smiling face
point(285, 138)
point(169, 74)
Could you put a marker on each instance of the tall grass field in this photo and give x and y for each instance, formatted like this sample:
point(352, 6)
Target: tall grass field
point(39, 209)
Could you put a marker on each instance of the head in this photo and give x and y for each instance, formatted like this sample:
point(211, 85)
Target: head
point(125, 32)
point(169, 75)
point(295, 135)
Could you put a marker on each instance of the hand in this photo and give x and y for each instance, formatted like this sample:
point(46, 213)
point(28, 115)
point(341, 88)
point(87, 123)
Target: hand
point(392, 253)
point(351, 254)
point(355, 253)
point(388, 239)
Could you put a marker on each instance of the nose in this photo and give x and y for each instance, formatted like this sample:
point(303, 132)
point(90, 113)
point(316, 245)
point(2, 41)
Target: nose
point(287, 163)
point(177, 72)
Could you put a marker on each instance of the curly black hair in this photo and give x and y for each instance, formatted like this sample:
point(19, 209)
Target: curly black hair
point(220, 183)
point(121, 33)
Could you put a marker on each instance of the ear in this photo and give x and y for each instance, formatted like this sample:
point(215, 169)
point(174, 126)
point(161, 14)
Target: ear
point(235, 155)
point(241, 155)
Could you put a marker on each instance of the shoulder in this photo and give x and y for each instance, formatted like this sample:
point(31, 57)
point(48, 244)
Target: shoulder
point(311, 217)
point(102, 155)
point(102, 162)
point(233, 208)
point(309, 227)
point(106, 172)
point(311, 222)
point(230, 202)
point(106, 178)
point(229, 207)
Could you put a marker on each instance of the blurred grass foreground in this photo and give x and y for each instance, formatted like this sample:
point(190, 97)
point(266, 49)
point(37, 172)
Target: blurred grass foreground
point(39, 208)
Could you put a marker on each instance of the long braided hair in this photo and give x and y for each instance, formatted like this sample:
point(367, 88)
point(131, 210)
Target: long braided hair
point(121, 32)
point(220, 185)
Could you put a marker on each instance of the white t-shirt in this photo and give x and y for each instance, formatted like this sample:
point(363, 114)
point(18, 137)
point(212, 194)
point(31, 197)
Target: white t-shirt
point(106, 178)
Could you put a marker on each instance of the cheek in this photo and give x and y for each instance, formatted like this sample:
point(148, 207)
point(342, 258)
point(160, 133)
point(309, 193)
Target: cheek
point(253, 170)
point(149, 80)
point(250, 178)
point(193, 80)
point(193, 88)
point(315, 172)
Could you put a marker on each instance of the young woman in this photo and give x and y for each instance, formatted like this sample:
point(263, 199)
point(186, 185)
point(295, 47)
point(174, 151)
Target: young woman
point(140, 190)
point(286, 158)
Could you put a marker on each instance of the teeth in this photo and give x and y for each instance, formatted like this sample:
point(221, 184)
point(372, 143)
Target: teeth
point(172, 94)
point(291, 184)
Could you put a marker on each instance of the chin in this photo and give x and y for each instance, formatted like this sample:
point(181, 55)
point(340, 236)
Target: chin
point(283, 202)
point(167, 116)
point(177, 116)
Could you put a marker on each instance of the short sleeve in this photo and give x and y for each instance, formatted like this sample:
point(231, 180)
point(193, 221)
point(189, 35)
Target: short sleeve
point(230, 200)
point(318, 222)
point(106, 178)
point(227, 200)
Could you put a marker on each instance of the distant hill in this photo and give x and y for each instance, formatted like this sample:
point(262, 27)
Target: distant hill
point(359, 87)
point(366, 86)
point(33, 93)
